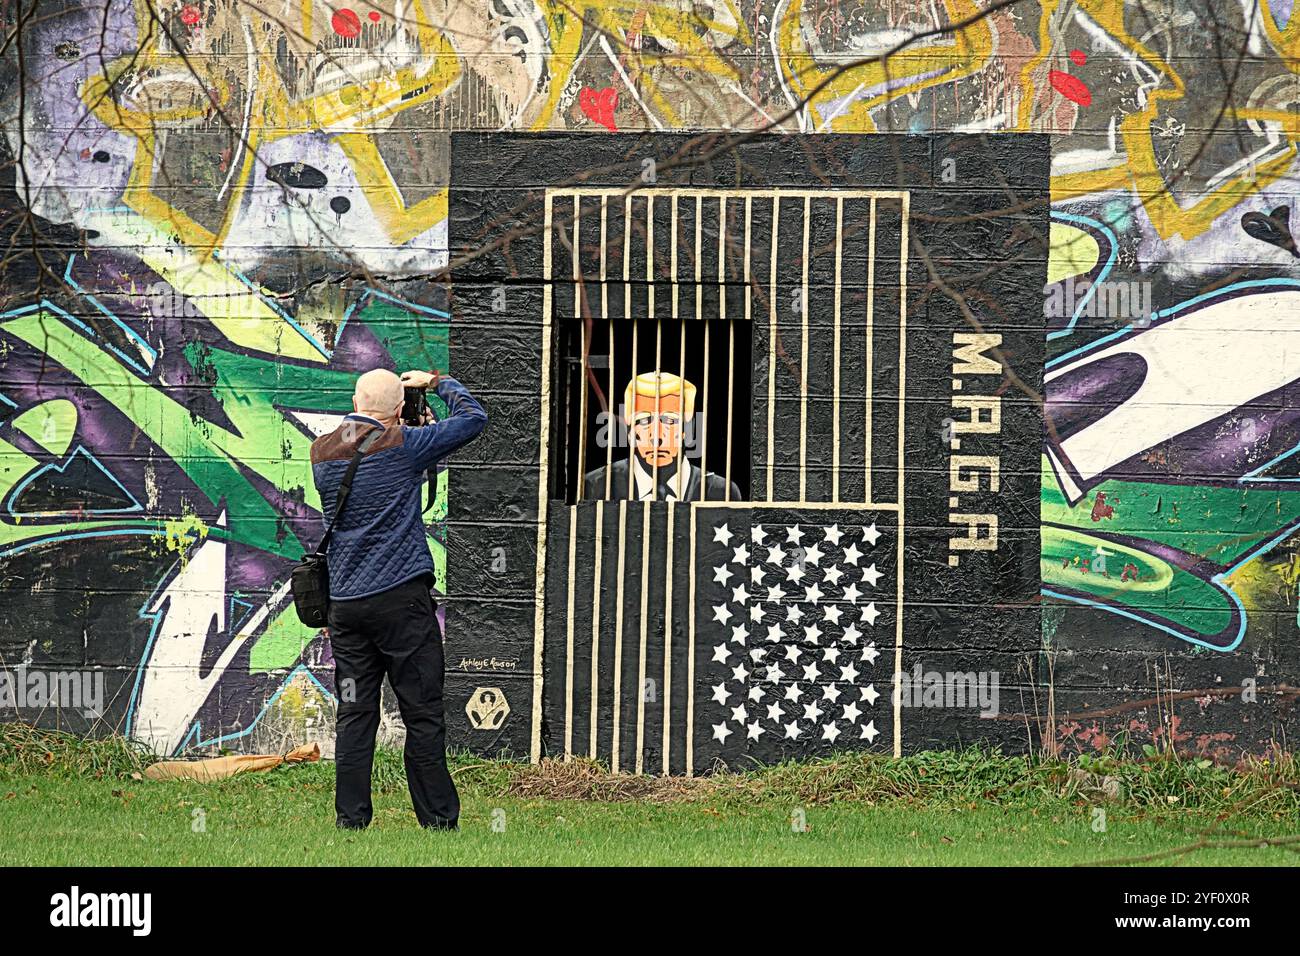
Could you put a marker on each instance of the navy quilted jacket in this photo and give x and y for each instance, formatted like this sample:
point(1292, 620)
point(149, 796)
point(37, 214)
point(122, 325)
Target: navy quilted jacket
point(379, 540)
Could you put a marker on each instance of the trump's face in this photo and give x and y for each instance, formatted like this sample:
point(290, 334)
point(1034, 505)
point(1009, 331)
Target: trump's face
point(657, 429)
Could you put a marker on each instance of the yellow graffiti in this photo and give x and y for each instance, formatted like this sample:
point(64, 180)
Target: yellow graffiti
point(1073, 252)
point(52, 425)
point(753, 69)
point(849, 96)
point(1138, 170)
point(236, 309)
point(352, 111)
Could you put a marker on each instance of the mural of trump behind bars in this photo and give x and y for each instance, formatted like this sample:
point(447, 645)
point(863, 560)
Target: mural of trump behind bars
point(657, 410)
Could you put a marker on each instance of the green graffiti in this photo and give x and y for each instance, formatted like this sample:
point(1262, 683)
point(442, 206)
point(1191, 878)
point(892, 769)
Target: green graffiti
point(1199, 523)
point(259, 396)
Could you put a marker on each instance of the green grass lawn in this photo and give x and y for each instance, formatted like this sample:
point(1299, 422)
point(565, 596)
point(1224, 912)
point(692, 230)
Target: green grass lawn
point(85, 822)
point(946, 809)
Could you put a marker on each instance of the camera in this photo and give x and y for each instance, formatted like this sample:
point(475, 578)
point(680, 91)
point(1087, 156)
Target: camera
point(414, 405)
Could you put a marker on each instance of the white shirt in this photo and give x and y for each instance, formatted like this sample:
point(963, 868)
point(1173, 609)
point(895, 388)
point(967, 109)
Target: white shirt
point(645, 481)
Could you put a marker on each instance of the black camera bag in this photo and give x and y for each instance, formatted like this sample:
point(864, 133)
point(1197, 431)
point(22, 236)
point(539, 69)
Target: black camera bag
point(310, 579)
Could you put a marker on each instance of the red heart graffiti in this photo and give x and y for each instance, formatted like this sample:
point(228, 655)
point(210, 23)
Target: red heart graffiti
point(599, 106)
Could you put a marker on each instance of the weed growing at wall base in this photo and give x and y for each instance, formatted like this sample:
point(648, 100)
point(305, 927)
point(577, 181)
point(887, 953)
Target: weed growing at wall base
point(25, 749)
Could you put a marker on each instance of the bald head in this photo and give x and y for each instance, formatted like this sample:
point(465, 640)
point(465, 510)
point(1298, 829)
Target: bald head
point(378, 394)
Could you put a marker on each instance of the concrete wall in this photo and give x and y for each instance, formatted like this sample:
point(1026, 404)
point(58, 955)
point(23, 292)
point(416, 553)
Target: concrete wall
point(1067, 436)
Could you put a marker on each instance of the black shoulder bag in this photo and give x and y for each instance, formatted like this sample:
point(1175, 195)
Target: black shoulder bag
point(310, 580)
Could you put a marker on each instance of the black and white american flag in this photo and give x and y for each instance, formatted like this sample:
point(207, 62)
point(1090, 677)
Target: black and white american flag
point(799, 632)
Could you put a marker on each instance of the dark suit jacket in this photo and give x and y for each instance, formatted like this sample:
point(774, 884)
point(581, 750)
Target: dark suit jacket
point(715, 486)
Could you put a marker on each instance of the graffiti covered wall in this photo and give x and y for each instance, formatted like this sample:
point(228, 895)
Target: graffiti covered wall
point(1025, 335)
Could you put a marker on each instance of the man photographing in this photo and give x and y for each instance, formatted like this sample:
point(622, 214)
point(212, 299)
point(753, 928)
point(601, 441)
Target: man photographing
point(381, 612)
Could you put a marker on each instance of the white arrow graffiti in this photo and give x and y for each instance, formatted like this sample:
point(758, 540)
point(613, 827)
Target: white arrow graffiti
point(171, 690)
point(1197, 366)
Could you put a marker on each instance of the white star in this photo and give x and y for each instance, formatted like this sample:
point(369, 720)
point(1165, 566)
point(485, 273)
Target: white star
point(755, 574)
point(851, 634)
point(831, 655)
point(795, 573)
point(720, 575)
point(869, 732)
point(833, 534)
point(755, 693)
point(756, 612)
point(739, 594)
point(831, 692)
point(792, 652)
point(832, 613)
point(774, 712)
point(757, 654)
point(774, 633)
point(739, 633)
point(869, 694)
point(740, 555)
point(775, 594)
point(756, 534)
point(740, 673)
point(869, 653)
point(793, 535)
point(812, 632)
point(774, 673)
point(833, 574)
point(848, 673)
point(871, 575)
point(794, 613)
point(722, 534)
point(720, 693)
point(721, 653)
point(851, 712)
point(739, 714)
point(775, 555)
point(721, 732)
point(869, 613)
point(811, 711)
point(792, 731)
point(811, 673)
point(721, 613)
point(754, 731)
point(830, 732)
point(812, 593)
point(852, 554)
point(871, 534)
point(813, 555)
point(851, 593)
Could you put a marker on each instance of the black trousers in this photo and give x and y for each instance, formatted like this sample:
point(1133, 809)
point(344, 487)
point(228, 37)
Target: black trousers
point(394, 633)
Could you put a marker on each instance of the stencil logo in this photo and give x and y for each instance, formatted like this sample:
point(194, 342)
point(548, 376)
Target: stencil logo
point(487, 709)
